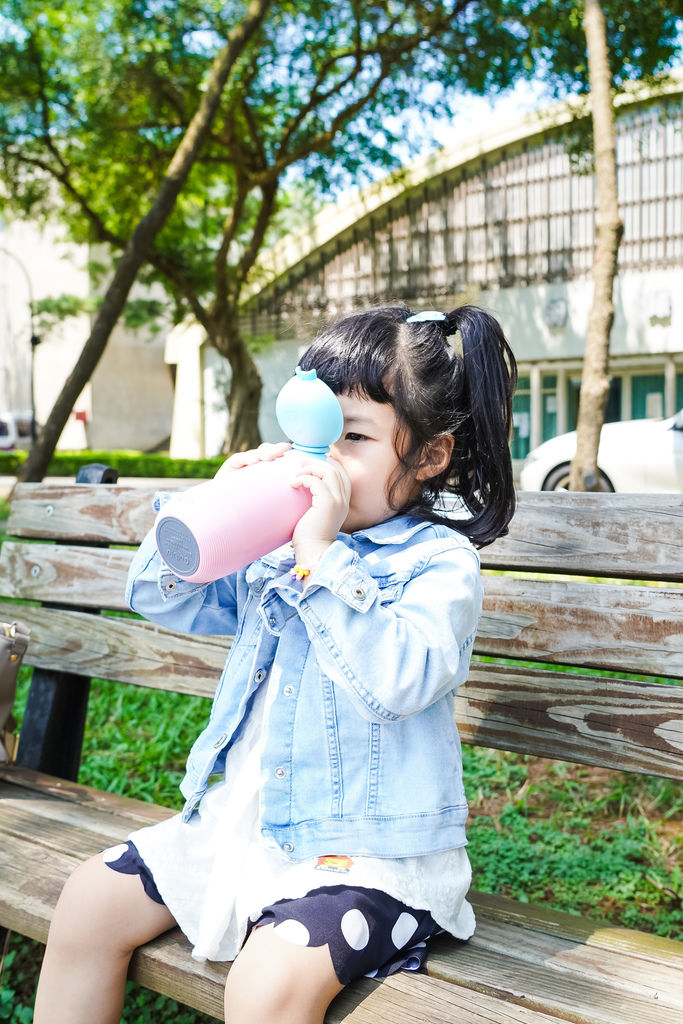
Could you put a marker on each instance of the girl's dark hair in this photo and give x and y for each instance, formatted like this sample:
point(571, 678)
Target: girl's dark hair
point(436, 388)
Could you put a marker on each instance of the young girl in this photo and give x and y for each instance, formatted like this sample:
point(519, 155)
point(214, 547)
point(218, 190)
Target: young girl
point(332, 844)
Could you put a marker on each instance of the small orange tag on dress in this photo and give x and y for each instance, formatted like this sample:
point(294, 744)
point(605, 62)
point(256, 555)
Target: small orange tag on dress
point(334, 862)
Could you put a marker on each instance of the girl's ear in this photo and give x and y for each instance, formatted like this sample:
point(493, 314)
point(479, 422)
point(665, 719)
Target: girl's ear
point(435, 457)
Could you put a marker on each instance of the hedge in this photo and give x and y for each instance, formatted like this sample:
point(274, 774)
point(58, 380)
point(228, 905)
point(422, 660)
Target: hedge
point(128, 463)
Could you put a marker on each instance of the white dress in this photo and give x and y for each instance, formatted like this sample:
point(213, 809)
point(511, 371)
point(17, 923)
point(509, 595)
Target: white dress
point(217, 871)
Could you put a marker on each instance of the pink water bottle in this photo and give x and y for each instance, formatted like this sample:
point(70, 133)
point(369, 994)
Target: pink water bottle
point(219, 526)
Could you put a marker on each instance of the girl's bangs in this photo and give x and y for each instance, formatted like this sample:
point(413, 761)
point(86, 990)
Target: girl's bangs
point(357, 355)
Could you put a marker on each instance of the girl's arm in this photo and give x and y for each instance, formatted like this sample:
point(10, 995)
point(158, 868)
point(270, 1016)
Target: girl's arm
point(155, 592)
point(394, 653)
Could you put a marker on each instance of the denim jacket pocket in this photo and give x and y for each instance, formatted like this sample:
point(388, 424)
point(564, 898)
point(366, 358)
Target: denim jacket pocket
point(390, 587)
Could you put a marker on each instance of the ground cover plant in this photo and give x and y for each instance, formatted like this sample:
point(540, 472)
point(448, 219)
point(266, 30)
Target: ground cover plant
point(584, 840)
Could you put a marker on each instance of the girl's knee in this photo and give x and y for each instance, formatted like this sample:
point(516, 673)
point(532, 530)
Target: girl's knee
point(79, 909)
point(274, 980)
point(101, 909)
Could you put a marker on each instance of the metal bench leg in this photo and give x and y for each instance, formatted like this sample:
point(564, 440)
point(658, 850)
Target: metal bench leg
point(54, 722)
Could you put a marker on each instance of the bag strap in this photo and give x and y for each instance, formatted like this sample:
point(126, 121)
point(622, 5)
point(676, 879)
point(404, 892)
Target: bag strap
point(14, 637)
point(18, 633)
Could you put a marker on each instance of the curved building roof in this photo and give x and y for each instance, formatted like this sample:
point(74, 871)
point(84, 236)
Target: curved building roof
point(338, 226)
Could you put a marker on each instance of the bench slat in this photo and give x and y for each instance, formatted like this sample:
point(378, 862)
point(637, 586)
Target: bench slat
point(564, 532)
point(123, 649)
point(551, 532)
point(165, 964)
point(591, 625)
point(63, 574)
point(591, 720)
point(551, 982)
point(97, 513)
point(602, 721)
point(643, 946)
point(507, 972)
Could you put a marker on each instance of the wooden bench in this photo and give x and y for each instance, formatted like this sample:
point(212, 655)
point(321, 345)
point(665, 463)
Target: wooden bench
point(525, 963)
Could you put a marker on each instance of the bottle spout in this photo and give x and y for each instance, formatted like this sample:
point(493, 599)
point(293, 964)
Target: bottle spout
point(309, 413)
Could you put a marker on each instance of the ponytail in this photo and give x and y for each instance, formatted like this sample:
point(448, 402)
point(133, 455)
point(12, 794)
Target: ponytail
point(440, 386)
point(480, 471)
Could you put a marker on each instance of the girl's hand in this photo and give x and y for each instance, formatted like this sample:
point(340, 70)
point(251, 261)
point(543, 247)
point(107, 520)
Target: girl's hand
point(330, 488)
point(264, 453)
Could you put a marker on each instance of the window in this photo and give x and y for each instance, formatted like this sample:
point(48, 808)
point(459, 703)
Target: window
point(521, 418)
point(549, 405)
point(647, 396)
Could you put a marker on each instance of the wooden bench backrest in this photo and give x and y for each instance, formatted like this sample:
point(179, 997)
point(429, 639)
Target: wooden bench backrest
point(539, 613)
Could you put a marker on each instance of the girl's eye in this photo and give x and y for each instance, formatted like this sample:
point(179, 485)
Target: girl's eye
point(355, 437)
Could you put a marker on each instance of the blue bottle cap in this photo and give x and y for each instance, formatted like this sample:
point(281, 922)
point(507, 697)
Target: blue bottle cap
point(309, 413)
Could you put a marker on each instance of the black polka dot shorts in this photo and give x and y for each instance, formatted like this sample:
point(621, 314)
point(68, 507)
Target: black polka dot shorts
point(368, 933)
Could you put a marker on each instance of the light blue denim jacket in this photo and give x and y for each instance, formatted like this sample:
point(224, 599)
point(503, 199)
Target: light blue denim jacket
point(361, 754)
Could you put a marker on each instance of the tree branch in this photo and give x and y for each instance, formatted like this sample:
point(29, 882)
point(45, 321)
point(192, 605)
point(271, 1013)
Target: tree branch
point(269, 192)
point(139, 245)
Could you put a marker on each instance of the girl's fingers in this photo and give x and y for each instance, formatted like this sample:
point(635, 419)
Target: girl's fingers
point(264, 453)
point(267, 452)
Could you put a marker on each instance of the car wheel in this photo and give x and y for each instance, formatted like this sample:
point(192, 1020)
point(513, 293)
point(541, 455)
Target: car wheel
point(558, 480)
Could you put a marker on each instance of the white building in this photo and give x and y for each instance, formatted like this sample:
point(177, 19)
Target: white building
point(500, 217)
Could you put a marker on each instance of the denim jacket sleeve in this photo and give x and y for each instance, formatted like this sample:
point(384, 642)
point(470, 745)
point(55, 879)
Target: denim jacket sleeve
point(155, 592)
point(395, 657)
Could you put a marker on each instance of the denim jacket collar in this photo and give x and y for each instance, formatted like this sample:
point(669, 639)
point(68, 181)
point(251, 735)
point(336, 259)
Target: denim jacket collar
point(397, 530)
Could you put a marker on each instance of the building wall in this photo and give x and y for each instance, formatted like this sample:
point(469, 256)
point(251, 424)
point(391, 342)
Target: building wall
point(508, 222)
point(35, 264)
point(128, 403)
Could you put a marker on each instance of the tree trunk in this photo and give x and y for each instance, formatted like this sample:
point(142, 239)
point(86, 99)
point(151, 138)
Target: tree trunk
point(141, 242)
point(244, 395)
point(595, 378)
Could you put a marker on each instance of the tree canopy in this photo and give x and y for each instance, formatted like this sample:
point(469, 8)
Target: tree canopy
point(94, 100)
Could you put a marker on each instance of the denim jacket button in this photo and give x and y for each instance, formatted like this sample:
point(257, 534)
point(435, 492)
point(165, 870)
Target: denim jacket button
point(288, 690)
point(280, 773)
point(220, 741)
point(259, 585)
point(359, 592)
point(288, 847)
point(260, 675)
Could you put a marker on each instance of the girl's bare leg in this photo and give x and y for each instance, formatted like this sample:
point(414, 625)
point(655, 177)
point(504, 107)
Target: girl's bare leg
point(276, 981)
point(101, 917)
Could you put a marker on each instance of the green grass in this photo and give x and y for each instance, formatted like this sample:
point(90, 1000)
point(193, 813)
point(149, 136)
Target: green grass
point(585, 840)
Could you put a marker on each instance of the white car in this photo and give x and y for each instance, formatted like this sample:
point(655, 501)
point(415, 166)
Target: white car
point(15, 430)
point(634, 456)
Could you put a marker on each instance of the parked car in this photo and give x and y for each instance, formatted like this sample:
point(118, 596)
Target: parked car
point(15, 430)
point(634, 456)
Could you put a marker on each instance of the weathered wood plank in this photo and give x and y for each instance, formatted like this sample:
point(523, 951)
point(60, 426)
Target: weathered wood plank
point(611, 968)
point(637, 946)
point(588, 719)
point(584, 534)
point(62, 574)
point(55, 795)
point(53, 821)
point(418, 999)
point(506, 967)
point(593, 625)
point(615, 627)
point(96, 513)
point(621, 535)
point(414, 999)
point(550, 985)
point(123, 649)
